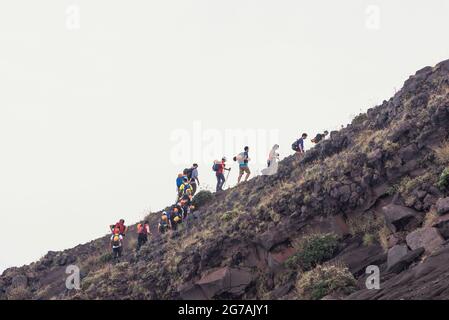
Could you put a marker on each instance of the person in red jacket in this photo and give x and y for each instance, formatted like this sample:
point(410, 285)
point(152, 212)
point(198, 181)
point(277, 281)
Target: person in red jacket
point(120, 226)
point(221, 167)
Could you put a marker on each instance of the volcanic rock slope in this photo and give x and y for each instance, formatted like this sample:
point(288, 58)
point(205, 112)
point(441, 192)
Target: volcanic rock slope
point(378, 186)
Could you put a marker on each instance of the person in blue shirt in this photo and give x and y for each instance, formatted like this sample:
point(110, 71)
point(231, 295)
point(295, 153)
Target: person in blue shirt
point(179, 182)
point(298, 145)
point(243, 165)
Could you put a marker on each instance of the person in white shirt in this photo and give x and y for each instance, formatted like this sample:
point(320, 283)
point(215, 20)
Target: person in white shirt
point(116, 244)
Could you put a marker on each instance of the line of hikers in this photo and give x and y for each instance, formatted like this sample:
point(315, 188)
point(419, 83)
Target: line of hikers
point(119, 231)
point(187, 184)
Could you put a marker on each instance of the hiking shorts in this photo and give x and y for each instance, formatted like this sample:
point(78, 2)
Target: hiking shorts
point(245, 169)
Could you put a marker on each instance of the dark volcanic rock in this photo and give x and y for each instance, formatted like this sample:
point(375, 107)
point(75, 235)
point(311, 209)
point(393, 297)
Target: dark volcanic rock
point(429, 238)
point(404, 261)
point(443, 206)
point(442, 224)
point(225, 281)
point(395, 254)
point(399, 218)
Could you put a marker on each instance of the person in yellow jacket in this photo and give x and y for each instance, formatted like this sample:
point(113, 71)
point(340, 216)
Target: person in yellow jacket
point(184, 187)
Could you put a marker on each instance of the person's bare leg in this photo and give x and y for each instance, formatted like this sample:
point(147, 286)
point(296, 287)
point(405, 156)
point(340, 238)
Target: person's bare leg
point(240, 178)
point(247, 176)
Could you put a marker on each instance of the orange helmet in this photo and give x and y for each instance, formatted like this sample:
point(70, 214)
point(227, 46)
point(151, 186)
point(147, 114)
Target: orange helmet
point(175, 210)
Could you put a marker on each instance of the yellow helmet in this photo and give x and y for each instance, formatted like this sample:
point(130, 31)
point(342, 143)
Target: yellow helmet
point(176, 219)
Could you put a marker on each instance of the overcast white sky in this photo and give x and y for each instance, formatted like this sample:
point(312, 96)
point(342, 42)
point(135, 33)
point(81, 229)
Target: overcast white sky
point(92, 109)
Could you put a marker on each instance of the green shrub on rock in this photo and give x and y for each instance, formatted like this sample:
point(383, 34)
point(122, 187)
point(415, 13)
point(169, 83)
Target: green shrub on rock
point(325, 280)
point(201, 198)
point(443, 181)
point(313, 250)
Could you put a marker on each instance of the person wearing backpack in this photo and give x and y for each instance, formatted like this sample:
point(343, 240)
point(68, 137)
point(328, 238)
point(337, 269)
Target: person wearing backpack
point(176, 214)
point(116, 244)
point(179, 180)
point(120, 225)
point(193, 176)
point(243, 160)
point(143, 229)
point(298, 145)
point(184, 187)
point(320, 136)
point(164, 223)
point(219, 167)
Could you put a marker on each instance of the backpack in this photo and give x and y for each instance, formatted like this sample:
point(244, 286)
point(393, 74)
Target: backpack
point(188, 172)
point(215, 167)
point(116, 241)
point(141, 229)
point(295, 145)
point(186, 187)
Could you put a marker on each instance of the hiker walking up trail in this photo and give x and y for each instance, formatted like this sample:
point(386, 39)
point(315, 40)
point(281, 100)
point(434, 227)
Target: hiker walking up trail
point(243, 159)
point(179, 181)
point(184, 187)
point(193, 176)
point(320, 136)
point(176, 214)
point(165, 223)
point(298, 145)
point(186, 204)
point(273, 156)
point(272, 164)
point(143, 229)
point(117, 244)
point(219, 167)
point(120, 226)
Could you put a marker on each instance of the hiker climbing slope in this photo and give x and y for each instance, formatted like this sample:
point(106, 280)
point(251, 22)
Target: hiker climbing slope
point(193, 176)
point(184, 187)
point(298, 145)
point(179, 181)
point(143, 229)
point(272, 164)
point(243, 159)
point(320, 136)
point(120, 225)
point(273, 156)
point(176, 214)
point(219, 167)
point(164, 223)
point(116, 244)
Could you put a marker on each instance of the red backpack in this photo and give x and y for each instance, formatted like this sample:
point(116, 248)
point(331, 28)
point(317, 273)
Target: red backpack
point(141, 229)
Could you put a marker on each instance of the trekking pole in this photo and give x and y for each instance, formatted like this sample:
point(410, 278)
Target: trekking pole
point(227, 176)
